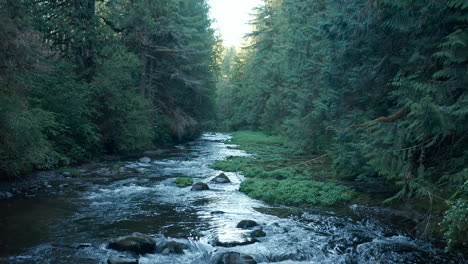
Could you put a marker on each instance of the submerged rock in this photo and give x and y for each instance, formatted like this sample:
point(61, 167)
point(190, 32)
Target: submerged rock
point(234, 258)
point(171, 247)
point(121, 260)
point(248, 241)
point(217, 212)
point(145, 160)
point(136, 242)
point(221, 178)
point(80, 245)
point(73, 246)
point(245, 224)
point(200, 186)
point(258, 233)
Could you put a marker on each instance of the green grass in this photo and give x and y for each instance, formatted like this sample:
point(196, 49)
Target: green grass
point(296, 192)
point(276, 175)
point(183, 182)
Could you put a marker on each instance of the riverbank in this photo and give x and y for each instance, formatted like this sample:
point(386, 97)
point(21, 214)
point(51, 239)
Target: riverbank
point(281, 175)
point(56, 180)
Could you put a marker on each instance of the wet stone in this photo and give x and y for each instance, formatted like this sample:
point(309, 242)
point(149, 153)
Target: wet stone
point(136, 242)
point(246, 224)
point(234, 258)
point(258, 233)
point(221, 178)
point(121, 260)
point(248, 241)
point(200, 186)
point(80, 245)
point(171, 247)
point(145, 160)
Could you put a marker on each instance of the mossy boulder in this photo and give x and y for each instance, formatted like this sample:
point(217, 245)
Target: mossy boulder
point(200, 186)
point(221, 178)
point(137, 243)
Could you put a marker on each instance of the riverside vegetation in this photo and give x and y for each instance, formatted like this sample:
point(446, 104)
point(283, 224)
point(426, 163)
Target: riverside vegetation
point(274, 175)
point(378, 87)
point(349, 95)
point(79, 79)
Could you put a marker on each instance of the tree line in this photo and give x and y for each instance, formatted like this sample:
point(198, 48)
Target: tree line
point(380, 86)
point(79, 78)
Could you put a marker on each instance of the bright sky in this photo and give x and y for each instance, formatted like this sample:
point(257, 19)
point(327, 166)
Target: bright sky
point(232, 18)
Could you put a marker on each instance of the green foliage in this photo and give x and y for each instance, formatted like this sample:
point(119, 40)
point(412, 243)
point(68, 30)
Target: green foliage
point(74, 136)
point(296, 192)
point(273, 179)
point(232, 164)
point(455, 221)
point(125, 119)
point(183, 182)
point(23, 144)
point(379, 86)
point(101, 76)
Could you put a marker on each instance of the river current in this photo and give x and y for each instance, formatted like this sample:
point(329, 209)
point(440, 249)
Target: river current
point(101, 205)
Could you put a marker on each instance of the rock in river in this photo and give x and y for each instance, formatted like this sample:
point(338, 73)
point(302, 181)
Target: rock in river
point(200, 186)
point(221, 178)
point(171, 247)
point(245, 242)
point(234, 258)
point(121, 260)
point(136, 242)
point(257, 233)
point(145, 160)
point(245, 224)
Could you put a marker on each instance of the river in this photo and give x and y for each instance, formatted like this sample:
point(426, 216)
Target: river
point(101, 205)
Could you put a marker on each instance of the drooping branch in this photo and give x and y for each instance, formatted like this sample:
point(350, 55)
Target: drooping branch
point(384, 119)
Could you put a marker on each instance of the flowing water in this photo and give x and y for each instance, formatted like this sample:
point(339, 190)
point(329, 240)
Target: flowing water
point(102, 205)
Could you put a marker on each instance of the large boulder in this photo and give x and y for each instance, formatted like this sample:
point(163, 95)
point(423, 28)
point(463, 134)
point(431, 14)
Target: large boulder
point(121, 260)
point(246, 224)
point(200, 186)
point(233, 258)
point(136, 242)
point(221, 178)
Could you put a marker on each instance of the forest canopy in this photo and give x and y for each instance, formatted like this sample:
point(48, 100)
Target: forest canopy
point(379, 86)
point(83, 78)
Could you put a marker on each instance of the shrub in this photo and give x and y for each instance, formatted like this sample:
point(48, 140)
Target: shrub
point(183, 182)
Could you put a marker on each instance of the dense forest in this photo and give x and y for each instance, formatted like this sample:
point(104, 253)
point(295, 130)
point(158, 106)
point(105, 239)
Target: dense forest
point(86, 77)
point(379, 86)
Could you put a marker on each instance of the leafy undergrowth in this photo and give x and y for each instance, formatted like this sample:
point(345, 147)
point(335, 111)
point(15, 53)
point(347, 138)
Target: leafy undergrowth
point(277, 175)
point(183, 182)
point(296, 192)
